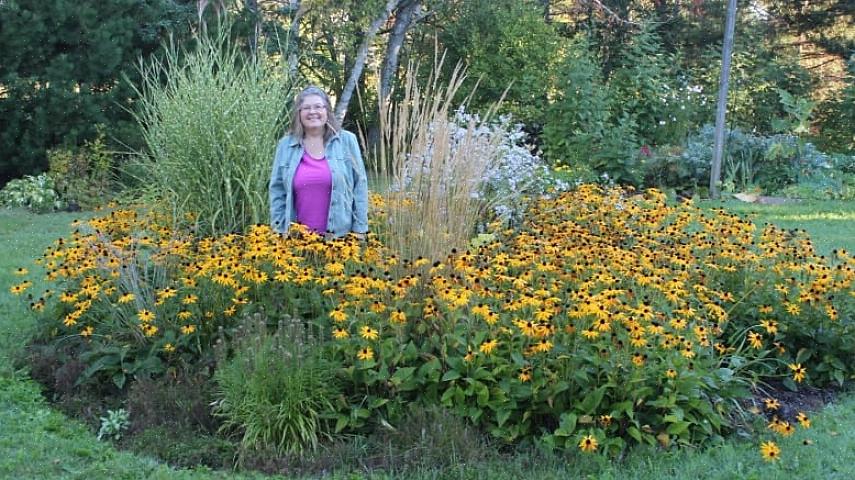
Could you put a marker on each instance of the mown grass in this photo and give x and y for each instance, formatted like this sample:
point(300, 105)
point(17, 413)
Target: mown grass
point(36, 441)
point(830, 223)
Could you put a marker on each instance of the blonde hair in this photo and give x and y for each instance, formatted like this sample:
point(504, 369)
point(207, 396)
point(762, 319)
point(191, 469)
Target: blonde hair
point(331, 128)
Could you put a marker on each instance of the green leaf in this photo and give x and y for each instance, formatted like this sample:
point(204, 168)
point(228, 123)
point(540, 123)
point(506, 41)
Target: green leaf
point(341, 423)
point(502, 416)
point(635, 433)
point(119, 380)
point(803, 355)
point(451, 375)
point(592, 400)
point(403, 374)
point(567, 425)
point(678, 428)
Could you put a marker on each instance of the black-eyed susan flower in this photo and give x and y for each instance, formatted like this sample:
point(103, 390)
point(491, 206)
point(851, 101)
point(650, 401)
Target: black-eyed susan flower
point(803, 420)
point(145, 315)
point(369, 333)
point(365, 353)
point(338, 315)
point(487, 347)
point(340, 333)
point(771, 404)
point(755, 340)
point(588, 444)
point(188, 329)
point(770, 451)
point(126, 298)
point(398, 317)
point(799, 372)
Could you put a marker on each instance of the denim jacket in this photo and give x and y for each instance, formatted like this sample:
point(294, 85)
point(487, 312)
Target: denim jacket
point(349, 196)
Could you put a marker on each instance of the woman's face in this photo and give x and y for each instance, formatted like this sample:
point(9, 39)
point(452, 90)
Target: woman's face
point(313, 112)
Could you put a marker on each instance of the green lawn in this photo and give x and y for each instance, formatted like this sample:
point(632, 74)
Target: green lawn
point(38, 442)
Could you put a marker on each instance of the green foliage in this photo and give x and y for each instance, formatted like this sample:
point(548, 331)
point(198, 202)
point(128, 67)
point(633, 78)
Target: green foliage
point(837, 116)
point(37, 194)
point(580, 117)
point(277, 392)
point(114, 424)
point(751, 161)
point(83, 179)
point(61, 72)
point(210, 132)
point(759, 69)
point(506, 45)
point(604, 122)
point(183, 448)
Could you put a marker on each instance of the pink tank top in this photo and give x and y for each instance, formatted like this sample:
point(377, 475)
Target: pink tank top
point(312, 188)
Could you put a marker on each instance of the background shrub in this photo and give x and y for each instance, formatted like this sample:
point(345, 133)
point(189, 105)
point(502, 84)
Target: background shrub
point(34, 193)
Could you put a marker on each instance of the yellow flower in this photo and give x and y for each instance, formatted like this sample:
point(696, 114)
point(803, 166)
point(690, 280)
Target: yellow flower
point(792, 308)
point(799, 372)
point(488, 346)
point(803, 419)
point(87, 332)
point(149, 330)
point(755, 339)
point(588, 444)
point(184, 314)
point(771, 404)
point(340, 332)
point(188, 329)
point(369, 333)
point(771, 326)
point(525, 374)
point(190, 299)
point(770, 451)
point(398, 317)
point(126, 298)
point(20, 288)
point(145, 316)
point(470, 355)
point(365, 353)
point(169, 348)
point(21, 271)
point(671, 373)
point(338, 315)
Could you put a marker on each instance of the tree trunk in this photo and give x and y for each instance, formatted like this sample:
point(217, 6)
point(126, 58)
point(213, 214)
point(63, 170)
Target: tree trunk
point(403, 20)
point(715, 170)
point(298, 7)
point(361, 57)
point(252, 7)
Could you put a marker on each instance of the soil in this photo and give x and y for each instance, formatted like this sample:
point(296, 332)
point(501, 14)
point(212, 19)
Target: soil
point(806, 399)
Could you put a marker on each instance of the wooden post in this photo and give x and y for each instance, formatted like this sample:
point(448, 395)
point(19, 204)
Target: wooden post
point(715, 174)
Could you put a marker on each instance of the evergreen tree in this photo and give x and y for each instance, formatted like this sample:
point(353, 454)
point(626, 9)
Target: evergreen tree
point(63, 71)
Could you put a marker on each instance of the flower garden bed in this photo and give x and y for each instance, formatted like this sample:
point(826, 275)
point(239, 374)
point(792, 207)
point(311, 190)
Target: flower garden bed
point(608, 319)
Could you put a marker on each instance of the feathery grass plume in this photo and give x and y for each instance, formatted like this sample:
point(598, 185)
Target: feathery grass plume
point(430, 169)
point(211, 118)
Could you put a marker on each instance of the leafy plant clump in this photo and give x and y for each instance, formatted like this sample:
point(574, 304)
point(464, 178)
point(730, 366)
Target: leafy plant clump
point(276, 392)
point(36, 193)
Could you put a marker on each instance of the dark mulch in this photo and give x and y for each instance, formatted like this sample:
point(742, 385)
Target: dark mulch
point(805, 399)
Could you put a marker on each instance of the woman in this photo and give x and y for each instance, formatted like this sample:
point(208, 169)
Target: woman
point(318, 176)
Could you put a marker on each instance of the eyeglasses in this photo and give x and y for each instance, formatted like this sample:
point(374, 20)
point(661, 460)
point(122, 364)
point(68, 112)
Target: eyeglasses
point(313, 108)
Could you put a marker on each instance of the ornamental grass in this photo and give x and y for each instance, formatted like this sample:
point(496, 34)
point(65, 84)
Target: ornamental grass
point(609, 318)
